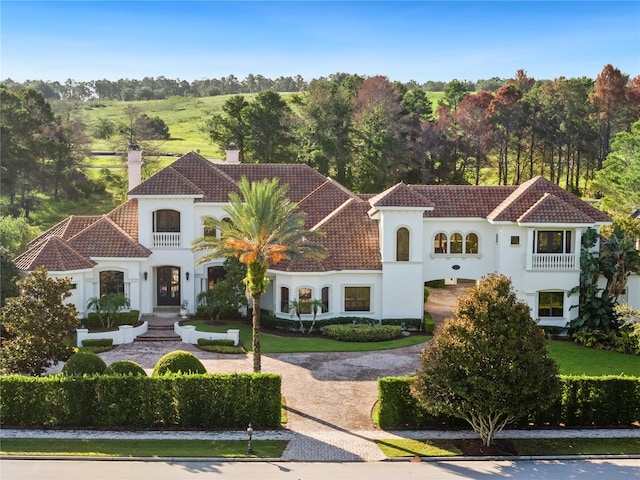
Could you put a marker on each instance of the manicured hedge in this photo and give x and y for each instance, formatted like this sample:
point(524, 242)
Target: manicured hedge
point(362, 333)
point(586, 402)
point(195, 401)
point(123, 318)
point(98, 342)
point(267, 320)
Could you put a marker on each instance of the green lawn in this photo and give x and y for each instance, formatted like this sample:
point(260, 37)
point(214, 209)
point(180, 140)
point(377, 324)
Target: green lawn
point(574, 359)
point(525, 446)
point(142, 448)
point(282, 344)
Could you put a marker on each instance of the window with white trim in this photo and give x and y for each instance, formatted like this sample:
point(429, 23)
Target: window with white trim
point(304, 297)
point(440, 243)
point(550, 304)
point(402, 244)
point(357, 299)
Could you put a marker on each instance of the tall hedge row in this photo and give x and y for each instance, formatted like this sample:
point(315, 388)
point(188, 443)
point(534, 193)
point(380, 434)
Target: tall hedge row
point(585, 402)
point(201, 401)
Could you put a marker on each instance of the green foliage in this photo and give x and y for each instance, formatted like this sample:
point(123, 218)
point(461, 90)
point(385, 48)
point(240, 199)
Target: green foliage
point(131, 317)
point(435, 283)
point(84, 363)
point(125, 367)
point(108, 306)
point(9, 278)
point(362, 333)
point(228, 295)
point(178, 361)
point(624, 340)
point(429, 324)
point(584, 402)
point(489, 364)
point(97, 342)
point(136, 401)
point(15, 234)
point(202, 342)
point(37, 322)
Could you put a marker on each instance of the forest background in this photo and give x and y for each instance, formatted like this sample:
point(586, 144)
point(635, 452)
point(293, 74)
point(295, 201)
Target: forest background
point(64, 144)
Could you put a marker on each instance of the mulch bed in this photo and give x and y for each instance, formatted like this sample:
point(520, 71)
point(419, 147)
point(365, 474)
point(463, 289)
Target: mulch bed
point(472, 447)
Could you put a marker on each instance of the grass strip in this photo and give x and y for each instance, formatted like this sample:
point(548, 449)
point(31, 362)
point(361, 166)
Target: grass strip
point(574, 359)
point(406, 447)
point(577, 446)
point(395, 448)
point(141, 448)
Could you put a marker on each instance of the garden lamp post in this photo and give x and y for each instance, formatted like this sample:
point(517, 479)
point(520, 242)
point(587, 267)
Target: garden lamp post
point(250, 435)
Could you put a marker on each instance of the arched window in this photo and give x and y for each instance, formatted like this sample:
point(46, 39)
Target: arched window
point(471, 243)
point(456, 243)
point(402, 244)
point(325, 299)
point(166, 221)
point(284, 299)
point(111, 281)
point(304, 297)
point(440, 243)
point(214, 275)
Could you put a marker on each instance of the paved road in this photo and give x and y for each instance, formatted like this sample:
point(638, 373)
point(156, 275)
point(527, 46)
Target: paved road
point(451, 470)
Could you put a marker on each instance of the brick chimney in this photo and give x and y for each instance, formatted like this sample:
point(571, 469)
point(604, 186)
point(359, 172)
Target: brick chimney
point(134, 165)
point(233, 153)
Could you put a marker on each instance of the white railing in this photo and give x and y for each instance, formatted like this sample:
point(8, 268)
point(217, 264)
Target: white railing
point(166, 240)
point(553, 261)
point(189, 334)
point(124, 334)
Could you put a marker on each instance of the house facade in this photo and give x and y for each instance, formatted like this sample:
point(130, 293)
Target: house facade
point(381, 248)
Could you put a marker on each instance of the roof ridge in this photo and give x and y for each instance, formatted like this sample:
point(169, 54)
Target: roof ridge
point(513, 196)
point(333, 213)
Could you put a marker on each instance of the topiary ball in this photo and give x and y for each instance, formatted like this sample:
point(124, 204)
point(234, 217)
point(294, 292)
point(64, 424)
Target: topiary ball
point(81, 363)
point(179, 361)
point(125, 367)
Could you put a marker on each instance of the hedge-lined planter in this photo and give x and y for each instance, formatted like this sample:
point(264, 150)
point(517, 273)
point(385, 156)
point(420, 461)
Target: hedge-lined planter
point(292, 324)
point(193, 401)
point(586, 402)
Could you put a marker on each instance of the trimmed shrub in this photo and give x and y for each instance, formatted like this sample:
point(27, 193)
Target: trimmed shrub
point(586, 402)
point(409, 324)
point(429, 324)
point(125, 367)
point(133, 401)
point(435, 283)
point(123, 318)
point(362, 333)
point(84, 363)
point(98, 342)
point(179, 361)
point(222, 342)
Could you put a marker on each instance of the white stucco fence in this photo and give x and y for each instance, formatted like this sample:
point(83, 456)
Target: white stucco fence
point(189, 334)
point(124, 334)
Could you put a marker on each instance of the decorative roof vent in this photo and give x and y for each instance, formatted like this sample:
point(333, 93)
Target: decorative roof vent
point(233, 153)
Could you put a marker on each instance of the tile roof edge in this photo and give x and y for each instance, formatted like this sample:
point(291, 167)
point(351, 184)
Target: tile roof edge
point(333, 214)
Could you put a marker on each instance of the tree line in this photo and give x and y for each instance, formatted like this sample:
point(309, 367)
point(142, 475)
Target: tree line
point(160, 88)
point(370, 133)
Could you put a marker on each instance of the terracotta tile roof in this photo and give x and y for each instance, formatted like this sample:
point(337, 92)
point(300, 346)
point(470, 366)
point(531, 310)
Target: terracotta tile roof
point(126, 217)
point(530, 192)
point(215, 183)
point(67, 228)
point(400, 195)
point(55, 254)
point(167, 181)
point(106, 239)
point(322, 201)
point(351, 240)
point(451, 201)
point(301, 178)
point(550, 209)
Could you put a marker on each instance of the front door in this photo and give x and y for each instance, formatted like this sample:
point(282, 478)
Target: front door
point(168, 284)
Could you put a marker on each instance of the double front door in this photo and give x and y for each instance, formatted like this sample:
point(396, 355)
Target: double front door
point(168, 285)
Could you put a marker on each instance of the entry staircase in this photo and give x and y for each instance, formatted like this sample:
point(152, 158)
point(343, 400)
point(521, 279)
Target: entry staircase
point(160, 326)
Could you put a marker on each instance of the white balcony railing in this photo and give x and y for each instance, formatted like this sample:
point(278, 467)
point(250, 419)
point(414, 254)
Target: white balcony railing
point(166, 240)
point(553, 261)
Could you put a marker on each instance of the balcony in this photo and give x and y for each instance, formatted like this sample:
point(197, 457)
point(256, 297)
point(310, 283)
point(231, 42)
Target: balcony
point(166, 240)
point(553, 261)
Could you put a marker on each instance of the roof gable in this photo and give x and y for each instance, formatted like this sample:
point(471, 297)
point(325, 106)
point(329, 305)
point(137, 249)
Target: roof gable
point(550, 209)
point(462, 201)
point(322, 201)
point(400, 195)
point(166, 182)
point(213, 182)
point(106, 239)
point(55, 255)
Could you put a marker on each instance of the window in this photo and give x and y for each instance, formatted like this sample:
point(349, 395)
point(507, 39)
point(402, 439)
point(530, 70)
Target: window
point(304, 297)
point(471, 243)
point(515, 240)
point(111, 281)
point(551, 304)
point(456, 243)
point(210, 232)
point(284, 299)
point(357, 299)
point(440, 243)
point(402, 245)
point(214, 275)
point(553, 242)
point(325, 299)
point(166, 221)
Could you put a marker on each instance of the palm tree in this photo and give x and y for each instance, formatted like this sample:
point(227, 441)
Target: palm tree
point(264, 228)
point(618, 258)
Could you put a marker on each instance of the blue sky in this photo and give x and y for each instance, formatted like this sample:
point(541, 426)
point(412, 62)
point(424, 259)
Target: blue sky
point(404, 40)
